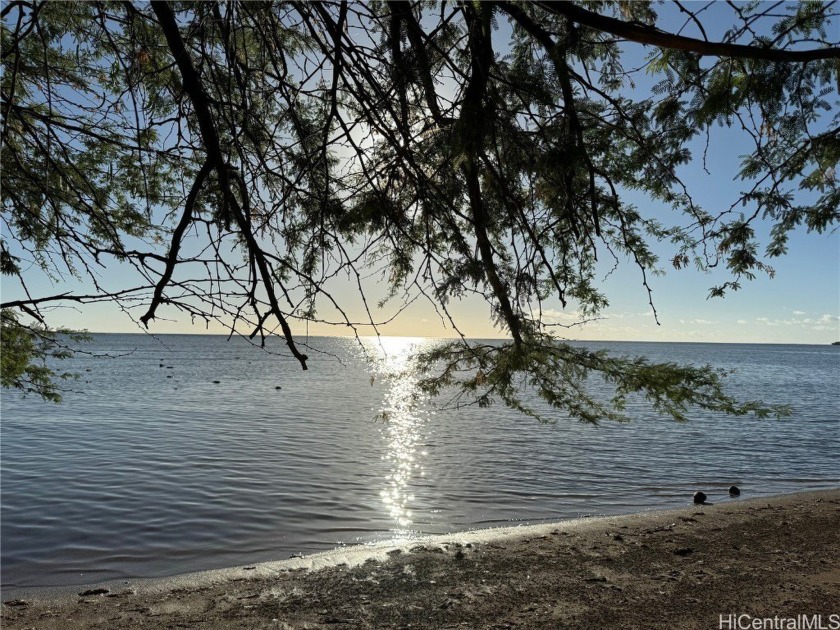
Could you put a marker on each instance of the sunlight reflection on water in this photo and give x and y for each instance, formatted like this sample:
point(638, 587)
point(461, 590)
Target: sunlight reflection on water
point(148, 471)
point(403, 421)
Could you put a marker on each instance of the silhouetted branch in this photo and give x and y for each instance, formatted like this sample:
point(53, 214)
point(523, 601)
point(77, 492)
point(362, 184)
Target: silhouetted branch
point(644, 34)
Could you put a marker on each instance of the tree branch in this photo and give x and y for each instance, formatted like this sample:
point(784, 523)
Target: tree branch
point(177, 236)
point(473, 118)
point(644, 34)
point(200, 101)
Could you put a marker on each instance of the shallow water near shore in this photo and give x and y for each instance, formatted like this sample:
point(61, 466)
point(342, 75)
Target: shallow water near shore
point(153, 469)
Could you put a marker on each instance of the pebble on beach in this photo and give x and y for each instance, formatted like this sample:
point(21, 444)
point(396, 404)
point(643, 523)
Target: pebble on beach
point(734, 491)
point(699, 497)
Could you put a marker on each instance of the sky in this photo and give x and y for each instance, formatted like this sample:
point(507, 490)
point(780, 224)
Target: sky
point(801, 304)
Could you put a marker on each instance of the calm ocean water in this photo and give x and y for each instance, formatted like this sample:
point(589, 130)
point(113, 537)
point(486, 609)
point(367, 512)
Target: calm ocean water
point(152, 469)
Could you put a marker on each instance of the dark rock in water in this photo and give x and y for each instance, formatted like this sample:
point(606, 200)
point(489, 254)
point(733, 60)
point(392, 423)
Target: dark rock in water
point(699, 497)
point(278, 387)
point(734, 491)
point(217, 382)
point(95, 591)
point(161, 365)
point(684, 551)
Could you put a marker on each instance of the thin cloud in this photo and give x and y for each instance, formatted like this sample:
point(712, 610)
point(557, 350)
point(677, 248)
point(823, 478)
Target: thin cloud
point(557, 315)
point(826, 321)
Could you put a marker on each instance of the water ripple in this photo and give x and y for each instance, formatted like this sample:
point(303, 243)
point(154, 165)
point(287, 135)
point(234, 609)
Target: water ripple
point(132, 477)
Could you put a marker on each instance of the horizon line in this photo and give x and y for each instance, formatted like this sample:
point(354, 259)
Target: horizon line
point(298, 337)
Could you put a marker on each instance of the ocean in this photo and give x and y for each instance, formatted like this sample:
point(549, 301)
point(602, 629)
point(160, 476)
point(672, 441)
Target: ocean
point(181, 453)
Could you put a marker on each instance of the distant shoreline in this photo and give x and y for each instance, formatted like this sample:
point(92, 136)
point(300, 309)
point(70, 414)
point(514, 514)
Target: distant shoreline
point(779, 554)
point(303, 335)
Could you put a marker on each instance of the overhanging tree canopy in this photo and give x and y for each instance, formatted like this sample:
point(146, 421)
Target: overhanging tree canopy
point(242, 156)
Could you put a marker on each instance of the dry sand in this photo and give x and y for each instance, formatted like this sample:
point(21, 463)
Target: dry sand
point(776, 557)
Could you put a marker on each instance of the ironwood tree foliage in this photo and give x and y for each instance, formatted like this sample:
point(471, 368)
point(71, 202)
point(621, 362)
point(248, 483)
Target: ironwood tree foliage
point(243, 157)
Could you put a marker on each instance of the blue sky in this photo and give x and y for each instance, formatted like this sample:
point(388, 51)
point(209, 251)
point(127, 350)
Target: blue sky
point(801, 304)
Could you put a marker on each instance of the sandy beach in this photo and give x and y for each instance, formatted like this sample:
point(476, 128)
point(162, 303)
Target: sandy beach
point(704, 566)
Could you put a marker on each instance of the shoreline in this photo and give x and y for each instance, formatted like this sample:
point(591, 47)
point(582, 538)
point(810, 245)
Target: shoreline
point(358, 553)
point(472, 577)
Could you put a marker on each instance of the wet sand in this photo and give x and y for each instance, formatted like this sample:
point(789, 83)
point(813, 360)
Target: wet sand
point(768, 557)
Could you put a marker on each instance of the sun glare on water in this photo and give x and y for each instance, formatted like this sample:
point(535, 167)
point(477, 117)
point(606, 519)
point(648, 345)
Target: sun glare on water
point(403, 421)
